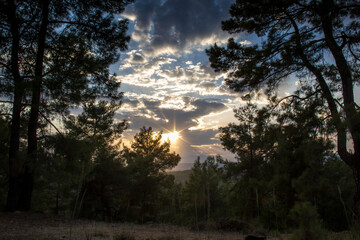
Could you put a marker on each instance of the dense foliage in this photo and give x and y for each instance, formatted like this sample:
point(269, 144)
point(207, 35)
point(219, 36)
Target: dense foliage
point(54, 55)
point(289, 171)
point(285, 171)
point(318, 41)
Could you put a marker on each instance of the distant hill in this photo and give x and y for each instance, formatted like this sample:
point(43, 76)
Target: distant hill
point(181, 176)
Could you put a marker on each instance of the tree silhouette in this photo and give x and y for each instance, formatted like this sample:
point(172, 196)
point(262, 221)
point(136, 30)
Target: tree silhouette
point(55, 54)
point(146, 161)
point(317, 39)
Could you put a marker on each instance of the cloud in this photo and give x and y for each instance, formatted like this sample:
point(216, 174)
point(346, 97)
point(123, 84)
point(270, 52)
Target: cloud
point(132, 104)
point(210, 149)
point(214, 120)
point(167, 75)
point(137, 58)
point(145, 112)
point(183, 118)
point(166, 78)
point(177, 24)
point(167, 112)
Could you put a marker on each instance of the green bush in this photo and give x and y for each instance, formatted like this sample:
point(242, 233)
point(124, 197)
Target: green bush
point(306, 218)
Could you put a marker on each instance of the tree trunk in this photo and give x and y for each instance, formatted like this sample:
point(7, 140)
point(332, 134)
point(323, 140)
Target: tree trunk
point(196, 213)
point(257, 202)
point(15, 168)
point(208, 201)
point(57, 201)
point(356, 208)
point(352, 119)
point(28, 180)
point(26, 189)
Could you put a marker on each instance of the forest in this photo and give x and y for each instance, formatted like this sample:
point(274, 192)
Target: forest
point(297, 166)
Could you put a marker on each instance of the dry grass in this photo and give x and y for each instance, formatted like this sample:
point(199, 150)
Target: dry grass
point(31, 226)
point(37, 226)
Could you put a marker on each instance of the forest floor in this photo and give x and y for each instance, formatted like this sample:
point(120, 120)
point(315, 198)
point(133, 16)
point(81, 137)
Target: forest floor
point(39, 226)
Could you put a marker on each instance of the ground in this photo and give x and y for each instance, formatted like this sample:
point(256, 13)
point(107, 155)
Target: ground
point(39, 226)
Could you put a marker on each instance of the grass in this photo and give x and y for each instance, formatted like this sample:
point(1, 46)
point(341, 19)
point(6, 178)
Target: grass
point(124, 236)
point(102, 231)
point(38, 226)
point(30, 226)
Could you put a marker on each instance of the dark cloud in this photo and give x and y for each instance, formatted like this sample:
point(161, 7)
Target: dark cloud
point(175, 23)
point(137, 58)
point(186, 99)
point(178, 73)
point(166, 118)
point(206, 107)
point(131, 103)
point(208, 85)
point(138, 122)
point(144, 10)
point(185, 119)
point(202, 136)
point(152, 104)
point(155, 63)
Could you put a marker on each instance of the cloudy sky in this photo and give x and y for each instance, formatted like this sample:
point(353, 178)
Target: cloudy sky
point(166, 76)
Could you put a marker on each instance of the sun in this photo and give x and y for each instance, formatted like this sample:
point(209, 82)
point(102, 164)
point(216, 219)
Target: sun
point(172, 136)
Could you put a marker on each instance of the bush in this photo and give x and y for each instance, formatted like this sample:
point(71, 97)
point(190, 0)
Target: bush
point(309, 226)
point(233, 225)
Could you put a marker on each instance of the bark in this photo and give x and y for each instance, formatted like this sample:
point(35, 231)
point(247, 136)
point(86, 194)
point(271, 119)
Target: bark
point(196, 213)
point(15, 177)
point(57, 201)
point(346, 81)
point(356, 208)
point(341, 130)
point(28, 180)
point(27, 184)
point(351, 115)
point(208, 200)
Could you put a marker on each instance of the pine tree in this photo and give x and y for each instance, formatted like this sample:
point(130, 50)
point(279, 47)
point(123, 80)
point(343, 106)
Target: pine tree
point(55, 54)
point(317, 39)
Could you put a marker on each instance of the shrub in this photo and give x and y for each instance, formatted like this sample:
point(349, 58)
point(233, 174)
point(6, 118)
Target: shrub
point(309, 226)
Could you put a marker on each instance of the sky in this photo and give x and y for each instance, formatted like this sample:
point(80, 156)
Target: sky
point(166, 77)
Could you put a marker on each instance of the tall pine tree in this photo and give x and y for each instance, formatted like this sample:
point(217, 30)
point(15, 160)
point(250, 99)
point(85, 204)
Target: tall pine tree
point(54, 54)
point(318, 39)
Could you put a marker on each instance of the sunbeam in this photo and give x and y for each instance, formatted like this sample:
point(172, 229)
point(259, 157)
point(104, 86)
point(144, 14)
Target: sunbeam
point(172, 136)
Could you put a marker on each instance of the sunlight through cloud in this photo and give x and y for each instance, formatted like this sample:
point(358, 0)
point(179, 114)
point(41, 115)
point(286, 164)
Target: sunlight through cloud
point(172, 136)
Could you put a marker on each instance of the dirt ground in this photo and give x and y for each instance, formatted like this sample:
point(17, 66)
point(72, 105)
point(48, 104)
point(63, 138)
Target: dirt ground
point(38, 226)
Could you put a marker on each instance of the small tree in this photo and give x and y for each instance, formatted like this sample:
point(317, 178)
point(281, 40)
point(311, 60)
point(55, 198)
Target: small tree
point(86, 161)
point(146, 160)
point(247, 140)
point(309, 226)
point(203, 191)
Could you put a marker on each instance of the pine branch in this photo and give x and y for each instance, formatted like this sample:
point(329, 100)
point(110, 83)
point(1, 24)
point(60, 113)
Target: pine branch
point(51, 124)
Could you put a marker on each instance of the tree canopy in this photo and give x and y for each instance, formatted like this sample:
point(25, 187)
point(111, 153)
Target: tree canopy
point(318, 41)
point(55, 54)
